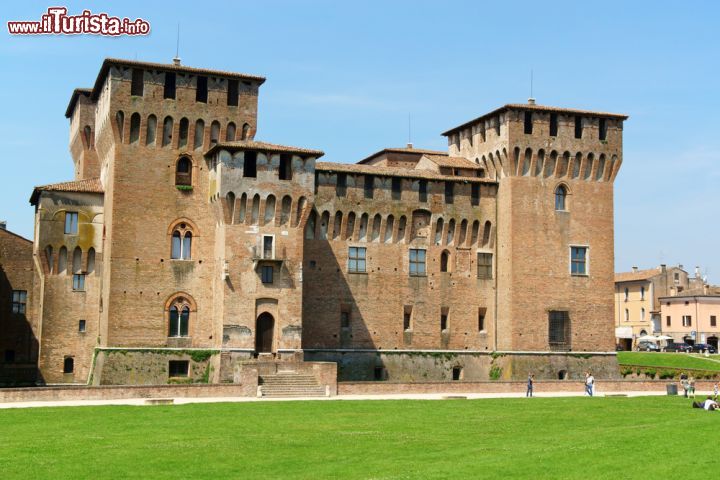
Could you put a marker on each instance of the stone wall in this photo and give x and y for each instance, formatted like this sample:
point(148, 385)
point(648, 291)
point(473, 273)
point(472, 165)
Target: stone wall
point(150, 367)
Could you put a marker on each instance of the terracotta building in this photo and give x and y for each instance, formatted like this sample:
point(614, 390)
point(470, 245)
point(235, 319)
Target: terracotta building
point(186, 249)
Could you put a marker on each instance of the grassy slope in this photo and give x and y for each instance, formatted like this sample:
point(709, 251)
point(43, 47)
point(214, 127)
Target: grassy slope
point(494, 438)
point(674, 360)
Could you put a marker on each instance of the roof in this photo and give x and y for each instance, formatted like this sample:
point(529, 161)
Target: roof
point(89, 185)
point(395, 172)
point(638, 275)
point(74, 97)
point(419, 151)
point(4, 231)
point(453, 162)
point(537, 108)
point(263, 146)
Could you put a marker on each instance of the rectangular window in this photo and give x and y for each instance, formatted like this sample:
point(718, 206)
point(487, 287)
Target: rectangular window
point(356, 260)
point(559, 329)
point(475, 194)
point(578, 127)
point(603, 129)
point(169, 90)
point(267, 274)
point(449, 192)
point(484, 265)
point(137, 85)
point(578, 260)
point(379, 373)
point(341, 188)
point(250, 165)
point(396, 189)
point(19, 301)
point(232, 97)
point(9, 356)
point(668, 321)
point(79, 282)
point(407, 317)
point(422, 191)
point(201, 92)
point(345, 317)
point(444, 312)
point(369, 186)
point(713, 321)
point(268, 247)
point(178, 368)
point(81, 326)
point(553, 124)
point(285, 167)
point(482, 311)
point(687, 321)
point(417, 262)
point(528, 123)
point(71, 223)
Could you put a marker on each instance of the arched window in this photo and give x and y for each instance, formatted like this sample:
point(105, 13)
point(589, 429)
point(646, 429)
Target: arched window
point(444, 259)
point(324, 223)
point(151, 130)
point(134, 127)
point(242, 208)
point(230, 132)
point(199, 134)
point(627, 293)
point(350, 229)
point(561, 198)
point(337, 225)
point(642, 293)
point(402, 224)
point(179, 316)
point(181, 243)
point(310, 226)
point(120, 121)
point(269, 210)
point(463, 232)
point(255, 212)
point(375, 234)
point(183, 171)
point(214, 132)
point(285, 208)
point(362, 235)
point(230, 197)
point(245, 132)
point(89, 137)
point(91, 260)
point(389, 227)
point(627, 315)
point(438, 231)
point(451, 231)
point(77, 260)
point(486, 233)
point(62, 260)
point(183, 133)
point(167, 131)
point(475, 232)
point(300, 210)
point(49, 257)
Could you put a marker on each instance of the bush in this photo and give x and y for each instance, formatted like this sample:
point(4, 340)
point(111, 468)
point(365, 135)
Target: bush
point(625, 371)
point(495, 372)
point(650, 372)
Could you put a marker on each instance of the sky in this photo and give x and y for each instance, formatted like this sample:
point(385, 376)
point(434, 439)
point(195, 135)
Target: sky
point(344, 76)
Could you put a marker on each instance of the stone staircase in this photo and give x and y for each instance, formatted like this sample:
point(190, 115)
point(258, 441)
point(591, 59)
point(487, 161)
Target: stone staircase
point(290, 384)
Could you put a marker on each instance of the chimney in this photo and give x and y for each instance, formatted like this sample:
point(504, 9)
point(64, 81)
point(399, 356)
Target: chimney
point(409, 145)
point(176, 61)
point(663, 268)
point(697, 271)
point(3, 225)
point(634, 269)
point(531, 101)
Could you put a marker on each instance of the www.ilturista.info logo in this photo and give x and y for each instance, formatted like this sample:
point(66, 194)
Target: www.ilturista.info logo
point(57, 22)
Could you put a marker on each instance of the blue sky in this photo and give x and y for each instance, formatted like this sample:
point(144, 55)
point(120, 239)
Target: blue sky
point(343, 77)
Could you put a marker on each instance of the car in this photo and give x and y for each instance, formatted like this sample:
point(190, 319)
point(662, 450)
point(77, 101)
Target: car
point(647, 346)
point(678, 347)
point(701, 347)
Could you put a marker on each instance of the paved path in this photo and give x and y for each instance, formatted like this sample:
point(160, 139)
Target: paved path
point(418, 396)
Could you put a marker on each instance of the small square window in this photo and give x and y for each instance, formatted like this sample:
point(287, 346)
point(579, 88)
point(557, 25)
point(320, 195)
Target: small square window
point(178, 368)
point(19, 301)
point(81, 326)
point(79, 282)
point(71, 223)
point(267, 274)
point(356, 260)
point(578, 260)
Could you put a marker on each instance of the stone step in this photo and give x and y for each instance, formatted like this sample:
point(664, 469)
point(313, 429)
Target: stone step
point(294, 392)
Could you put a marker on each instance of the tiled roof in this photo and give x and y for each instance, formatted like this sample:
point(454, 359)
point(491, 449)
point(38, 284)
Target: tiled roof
point(635, 276)
point(263, 146)
point(453, 162)
point(73, 99)
point(89, 185)
point(394, 172)
point(419, 151)
point(5, 231)
point(537, 108)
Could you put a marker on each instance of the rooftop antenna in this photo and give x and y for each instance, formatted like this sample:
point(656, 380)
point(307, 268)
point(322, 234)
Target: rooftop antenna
point(531, 100)
point(176, 60)
point(409, 144)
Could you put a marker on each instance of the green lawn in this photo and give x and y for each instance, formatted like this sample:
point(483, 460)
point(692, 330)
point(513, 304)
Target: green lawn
point(494, 438)
point(672, 360)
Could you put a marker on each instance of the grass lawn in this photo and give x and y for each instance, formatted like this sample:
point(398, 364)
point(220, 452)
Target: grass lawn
point(673, 360)
point(494, 438)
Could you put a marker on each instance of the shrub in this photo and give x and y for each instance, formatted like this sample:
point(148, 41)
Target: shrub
point(495, 372)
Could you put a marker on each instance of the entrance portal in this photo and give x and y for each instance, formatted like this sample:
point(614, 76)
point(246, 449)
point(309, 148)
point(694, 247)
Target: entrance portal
point(264, 328)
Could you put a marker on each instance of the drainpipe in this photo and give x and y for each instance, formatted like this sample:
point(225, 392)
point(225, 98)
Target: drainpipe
point(495, 315)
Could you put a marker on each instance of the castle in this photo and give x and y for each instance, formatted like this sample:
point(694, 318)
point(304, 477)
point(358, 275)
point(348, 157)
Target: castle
point(184, 248)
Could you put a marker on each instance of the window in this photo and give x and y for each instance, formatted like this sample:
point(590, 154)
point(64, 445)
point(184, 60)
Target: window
point(232, 93)
point(341, 187)
point(199, 134)
point(345, 317)
point(9, 356)
point(627, 294)
point(603, 129)
point(687, 321)
point(267, 274)
point(378, 373)
point(182, 133)
point(285, 167)
point(71, 223)
point(68, 365)
point(396, 189)
point(553, 124)
point(179, 319)
point(422, 191)
point(268, 247)
point(167, 131)
point(201, 92)
point(444, 258)
point(245, 135)
point(560, 198)
point(250, 165)
point(369, 186)
point(668, 321)
point(444, 311)
point(79, 282)
point(151, 130)
point(475, 194)
point(484, 265)
point(456, 373)
point(558, 329)
point(528, 123)
point(578, 127)
point(181, 243)
point(713, 321)
point(482, 311)
point(178, 368)
point(578, 260)
point(642, 314)
point(627, 315)
point(183, 172)
point(81, 326)
point(642, 293)
point(407, 317)
point(169, 90)
point(19, 301)
point(449, 191)
point(136, 87)
point(356, 260)
point(417, 262)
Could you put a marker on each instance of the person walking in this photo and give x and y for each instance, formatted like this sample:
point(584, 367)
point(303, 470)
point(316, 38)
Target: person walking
point(529, 392)
point(691, 388)
point(589, 384)
point(684, 383)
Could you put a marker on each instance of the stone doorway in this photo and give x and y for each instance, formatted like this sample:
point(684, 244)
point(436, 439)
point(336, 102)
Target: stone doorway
point(264, 330)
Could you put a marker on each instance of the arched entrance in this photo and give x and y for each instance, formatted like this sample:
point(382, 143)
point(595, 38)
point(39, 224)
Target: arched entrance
point(264, 329)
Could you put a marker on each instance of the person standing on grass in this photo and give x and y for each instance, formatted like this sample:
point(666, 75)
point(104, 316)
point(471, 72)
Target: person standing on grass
point(691, 388)
point(529, 392)
point(589, 383)
point(715, 392)
point(684, 383)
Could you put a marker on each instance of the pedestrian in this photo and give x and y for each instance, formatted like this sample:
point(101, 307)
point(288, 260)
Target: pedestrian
point(684, 383)
point(691, 388)
point(529, 392)
point(715, 392)
point(589, 384)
